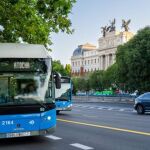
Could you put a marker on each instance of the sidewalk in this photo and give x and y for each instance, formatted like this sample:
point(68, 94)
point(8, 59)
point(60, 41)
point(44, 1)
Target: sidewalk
point(119, 99)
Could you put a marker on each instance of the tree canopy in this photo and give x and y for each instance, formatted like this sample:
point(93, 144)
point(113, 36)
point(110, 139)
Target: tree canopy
point(58, 67)
point(133, 59)
point(33, 21)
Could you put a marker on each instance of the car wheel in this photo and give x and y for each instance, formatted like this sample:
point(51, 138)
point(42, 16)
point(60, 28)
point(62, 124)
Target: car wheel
point(140, 109)
point(57, 112)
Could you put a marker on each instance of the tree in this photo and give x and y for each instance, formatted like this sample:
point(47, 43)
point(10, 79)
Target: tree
point(133, 59)
point(110, 76)
point(58, 67)
point(33, 21)
point(96, 80)
point(80, 84)
point(68, 69)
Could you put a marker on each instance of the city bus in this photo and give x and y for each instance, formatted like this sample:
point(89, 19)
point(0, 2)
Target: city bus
point(27, 91)
point(63, 96)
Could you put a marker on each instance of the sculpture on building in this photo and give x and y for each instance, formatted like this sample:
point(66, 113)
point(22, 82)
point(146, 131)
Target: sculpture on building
point(125, 24)
point(104, 30)
point(112, 26)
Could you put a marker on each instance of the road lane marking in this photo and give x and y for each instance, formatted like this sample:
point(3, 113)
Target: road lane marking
point(91, 107)
point(53, 137)
point(106, 127)
point(90, 116)
point(99, 108)
point(122, 109)
point(84, 147)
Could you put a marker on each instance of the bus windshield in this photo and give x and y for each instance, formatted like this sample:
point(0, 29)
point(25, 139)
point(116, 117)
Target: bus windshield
point(64, 93)
point(21, 87)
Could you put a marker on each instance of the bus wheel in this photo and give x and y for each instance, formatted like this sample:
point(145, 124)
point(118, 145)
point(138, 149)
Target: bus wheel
point(57, 112)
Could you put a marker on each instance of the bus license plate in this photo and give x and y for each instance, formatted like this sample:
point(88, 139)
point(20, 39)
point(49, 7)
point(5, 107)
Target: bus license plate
point(9, 135)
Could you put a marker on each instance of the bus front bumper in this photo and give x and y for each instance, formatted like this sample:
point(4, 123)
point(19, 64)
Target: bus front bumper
point(68, 108)
point(27, 133)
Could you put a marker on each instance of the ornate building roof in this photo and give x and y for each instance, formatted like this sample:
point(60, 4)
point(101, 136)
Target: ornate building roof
point(81, 48)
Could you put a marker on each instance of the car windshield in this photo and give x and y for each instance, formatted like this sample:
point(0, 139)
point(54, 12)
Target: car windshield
point(145, 95)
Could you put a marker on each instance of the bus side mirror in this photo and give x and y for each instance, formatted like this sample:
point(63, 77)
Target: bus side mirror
point(57, 80)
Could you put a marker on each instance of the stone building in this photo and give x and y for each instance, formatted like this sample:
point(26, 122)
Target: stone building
point(87, 58)
point(107, 47)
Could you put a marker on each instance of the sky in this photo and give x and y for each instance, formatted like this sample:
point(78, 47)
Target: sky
point(88, 16)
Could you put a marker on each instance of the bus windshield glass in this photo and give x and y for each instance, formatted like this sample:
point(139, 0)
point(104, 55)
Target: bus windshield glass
point(24, 81)
point(64, 93)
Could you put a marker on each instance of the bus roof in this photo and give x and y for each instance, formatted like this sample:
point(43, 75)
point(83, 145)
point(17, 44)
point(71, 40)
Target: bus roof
point(17, 50)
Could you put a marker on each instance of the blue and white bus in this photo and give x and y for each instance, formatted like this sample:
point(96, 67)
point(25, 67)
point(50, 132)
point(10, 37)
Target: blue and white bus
point(27, 98)
point(63, 96)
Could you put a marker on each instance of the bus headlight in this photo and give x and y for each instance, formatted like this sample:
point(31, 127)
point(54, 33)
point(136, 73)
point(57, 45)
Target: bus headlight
point(47, 118)
point(70, 105)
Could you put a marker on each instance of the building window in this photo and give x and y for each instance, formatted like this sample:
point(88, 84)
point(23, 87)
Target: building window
point(88, 61)
point(92, 61)
point(79, 63)
point(85, 62)
point(95, 61)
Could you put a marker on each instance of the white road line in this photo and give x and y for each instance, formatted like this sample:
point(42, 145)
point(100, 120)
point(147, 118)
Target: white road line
point(53, 137)
point(91, 107)
point(122, 109)
point(99, 108)
point(84, 147)
point(110, 108)
point(85, 106)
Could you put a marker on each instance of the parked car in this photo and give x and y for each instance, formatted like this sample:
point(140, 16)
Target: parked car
point(142, 103)
point(81, 93)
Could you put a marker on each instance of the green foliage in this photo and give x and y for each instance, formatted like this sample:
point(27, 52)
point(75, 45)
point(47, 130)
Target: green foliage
point(68, 69)
point(133, 59)
point(80, 84)
point(33, 21)
point(58, 67)
point(75, 85)
point(110, 76)
point(96, 80)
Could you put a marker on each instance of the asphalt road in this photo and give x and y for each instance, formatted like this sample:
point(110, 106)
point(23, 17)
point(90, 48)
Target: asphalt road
point(98, 126)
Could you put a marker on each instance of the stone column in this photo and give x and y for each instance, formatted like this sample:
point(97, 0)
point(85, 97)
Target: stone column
point(103, 62)
point(107, 61)
point(113, 58)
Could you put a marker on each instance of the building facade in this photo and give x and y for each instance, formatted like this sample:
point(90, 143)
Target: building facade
point(87, 58)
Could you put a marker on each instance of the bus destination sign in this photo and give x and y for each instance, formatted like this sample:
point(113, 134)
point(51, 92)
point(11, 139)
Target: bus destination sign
point(21, 65)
